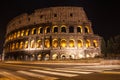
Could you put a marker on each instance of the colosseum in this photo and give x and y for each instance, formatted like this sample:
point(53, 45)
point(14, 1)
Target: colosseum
point(50, 34)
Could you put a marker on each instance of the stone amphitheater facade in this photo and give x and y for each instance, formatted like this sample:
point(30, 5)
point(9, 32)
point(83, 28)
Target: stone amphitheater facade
point(51, 33)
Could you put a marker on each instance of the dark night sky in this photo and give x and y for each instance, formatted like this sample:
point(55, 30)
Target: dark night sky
point(103, 15)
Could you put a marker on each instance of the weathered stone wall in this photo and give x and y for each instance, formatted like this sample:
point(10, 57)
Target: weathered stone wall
point(52, 14)
point(16, 38)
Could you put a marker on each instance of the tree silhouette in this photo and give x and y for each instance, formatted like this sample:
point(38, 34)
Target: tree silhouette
point(103, 47)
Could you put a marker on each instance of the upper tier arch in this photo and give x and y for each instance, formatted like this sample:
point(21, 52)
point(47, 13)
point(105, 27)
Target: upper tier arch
point(55, 15)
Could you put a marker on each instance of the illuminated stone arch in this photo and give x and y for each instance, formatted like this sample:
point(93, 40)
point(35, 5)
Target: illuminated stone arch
point(79, 29)
point(17, 45)
point(39, 57)
point(55, 29)
point(15, 35)
point(71, 43)
point(11, 37)
point(47, 57)
point(54, 43)
point(63, 56)
point(13, 46)
point(87, 30)
point(32, 44)
point(81, 55)
point(54, 56)
point(63, 28)
point(88, 43)
point(39, 44)
point(18, 34)
point(47, 43)
point(26, 44)
point(88, 55)
point(63, 43)
point(27, 32)
point(21, 45)
point(47, 29)
point(79, 43)
point(40, 30)
point(33, 31)
point(22, 32)
point(95, 43)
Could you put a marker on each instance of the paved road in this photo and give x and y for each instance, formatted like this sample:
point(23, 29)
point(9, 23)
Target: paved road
point(58, 72)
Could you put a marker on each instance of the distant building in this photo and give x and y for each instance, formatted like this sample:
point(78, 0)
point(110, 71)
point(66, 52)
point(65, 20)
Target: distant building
point(51, 33)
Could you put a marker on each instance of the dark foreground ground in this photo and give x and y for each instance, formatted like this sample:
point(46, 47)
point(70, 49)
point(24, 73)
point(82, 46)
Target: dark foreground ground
point(59, 70)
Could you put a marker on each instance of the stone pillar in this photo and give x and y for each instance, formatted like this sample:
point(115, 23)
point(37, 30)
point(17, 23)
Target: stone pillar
point(3, 56)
